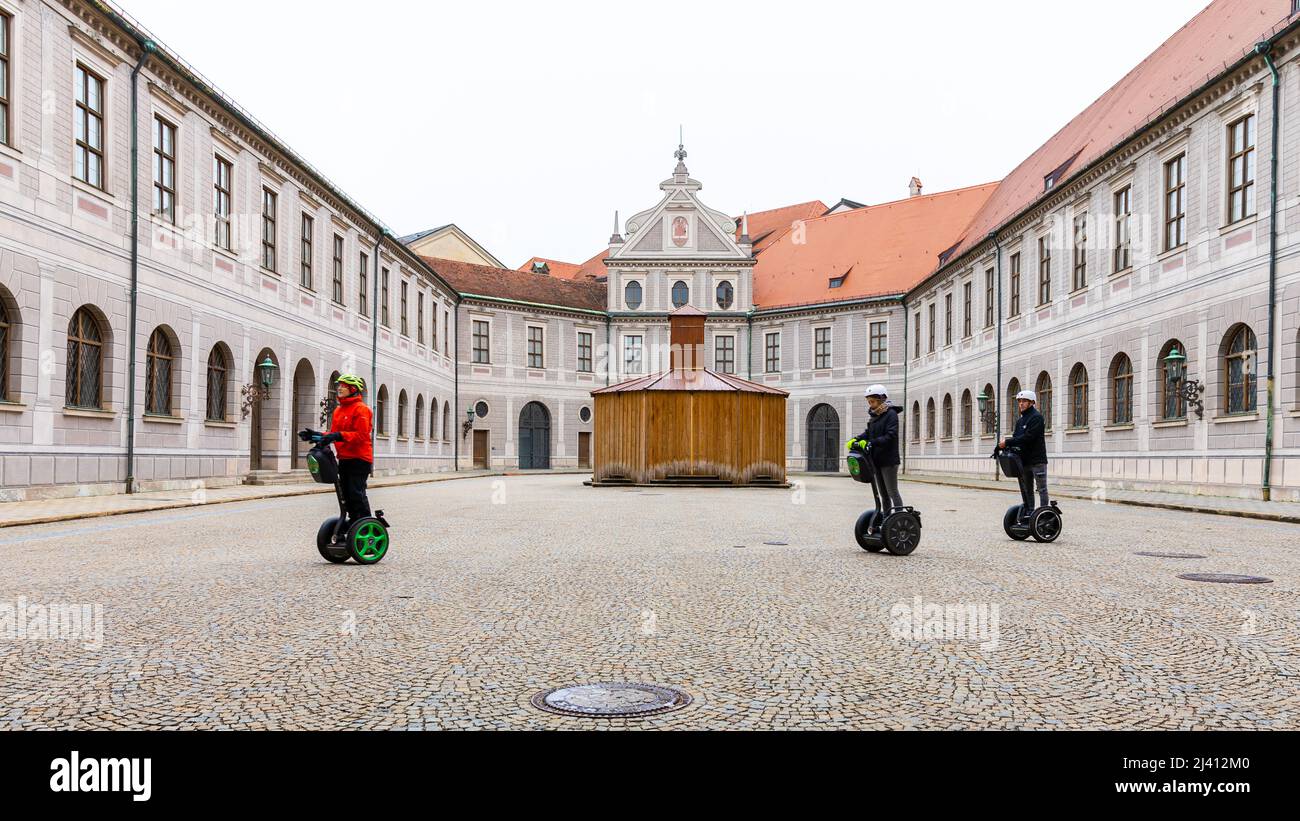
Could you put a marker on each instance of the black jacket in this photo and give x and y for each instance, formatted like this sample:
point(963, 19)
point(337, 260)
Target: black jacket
point(882, 433)
point(1028, 438)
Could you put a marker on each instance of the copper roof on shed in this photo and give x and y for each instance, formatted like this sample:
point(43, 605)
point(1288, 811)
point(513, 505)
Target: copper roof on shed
point(691, 380)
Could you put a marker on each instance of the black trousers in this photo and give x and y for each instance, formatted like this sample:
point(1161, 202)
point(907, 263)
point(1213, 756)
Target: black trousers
point(353, 475)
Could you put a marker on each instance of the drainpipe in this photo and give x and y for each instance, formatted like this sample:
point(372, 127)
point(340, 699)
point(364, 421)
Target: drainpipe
point(997, 386)
point(455, 369)
point(375, 291)
point(1265, 49)
point(907, 433)
point(749, 343)
point(146, 48)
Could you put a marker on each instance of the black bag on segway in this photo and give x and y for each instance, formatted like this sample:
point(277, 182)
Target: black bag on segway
point(1009, 462)
point(323, 465)
point(860, 467)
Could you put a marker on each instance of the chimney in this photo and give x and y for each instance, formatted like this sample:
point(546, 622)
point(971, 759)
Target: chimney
point(914, 187)
point(686, 338)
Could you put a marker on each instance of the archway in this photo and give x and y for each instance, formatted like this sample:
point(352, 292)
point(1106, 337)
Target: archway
point(534, 437)
point(823, 440)
point(306, 410)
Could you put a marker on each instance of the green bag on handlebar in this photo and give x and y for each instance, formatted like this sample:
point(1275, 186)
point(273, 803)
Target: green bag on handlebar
point(323, 465)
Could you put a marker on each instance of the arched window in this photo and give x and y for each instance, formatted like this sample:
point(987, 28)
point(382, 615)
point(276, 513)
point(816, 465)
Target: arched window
point(990, 425)
point(681, 294)
point(158, 374)
point(401, 414)
point(1013, 406)
point(1239, 371)
point(916, 421)
point(218, 382)
point(1121, 390)
point(929, 420)
point(4, 349)
point(1043, 388)
point(967, 415)
point(381, 411)
point(947, 416)
point(446, 423)
point(1079, 397)
point(1172, 404)
point(418, 428)
point(433, 420)
point(85, 369)
point(726, 295)
point(632, 295)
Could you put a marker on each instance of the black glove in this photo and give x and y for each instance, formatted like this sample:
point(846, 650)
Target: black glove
point(330, 438)
point(308, 435)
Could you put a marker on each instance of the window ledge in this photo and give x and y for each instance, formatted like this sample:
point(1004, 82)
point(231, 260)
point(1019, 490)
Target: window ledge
point(228, 254)
point(1172, 252)
point(383, 437)
point(87, 413)
point(1239, 224)
point(1227, 419)
point(1123, 272)
point(1170, 423)
point(1294, 413)
point(12, 407)
point(1077, 431)
point(11, 151)
point(403, 439)
point(1078, 292)
point(87, 188)
point(162, 420)
point(1119, 428)
point(965, 439)
point(214, 423)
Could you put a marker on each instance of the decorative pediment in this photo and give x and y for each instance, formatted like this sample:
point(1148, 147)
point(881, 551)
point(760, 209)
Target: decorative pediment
point(680, 227)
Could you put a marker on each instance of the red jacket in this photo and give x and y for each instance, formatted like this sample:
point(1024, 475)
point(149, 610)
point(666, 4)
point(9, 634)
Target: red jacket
point(352, 420)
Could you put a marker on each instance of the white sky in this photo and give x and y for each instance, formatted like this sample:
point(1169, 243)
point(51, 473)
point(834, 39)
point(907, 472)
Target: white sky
point(528, 123)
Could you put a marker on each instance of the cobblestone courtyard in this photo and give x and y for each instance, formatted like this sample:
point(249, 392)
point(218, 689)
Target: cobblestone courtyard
point(495, 589)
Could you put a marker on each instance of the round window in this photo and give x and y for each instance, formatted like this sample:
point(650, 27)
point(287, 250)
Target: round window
point(585, 414)
point(481, 410)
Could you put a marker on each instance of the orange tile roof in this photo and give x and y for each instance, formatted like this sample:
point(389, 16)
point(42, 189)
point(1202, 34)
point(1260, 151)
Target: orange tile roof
point(484, 280)
point(879, 250)
point(1220, 35)
point(766, 226)
point(560, 270)
point(594, 267)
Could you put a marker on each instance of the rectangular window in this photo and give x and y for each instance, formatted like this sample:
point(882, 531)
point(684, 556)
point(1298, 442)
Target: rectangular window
point(383, 298)
point(433, 341)
point(338, 269)
point(878, 353)
point(988, 298)
point(402, 315)
point(1080, 253)
point(88, 149)
point(917, 326)
point(967, 306)
point(934, 323)
point(222, 193)
point(947, 319)
point(1044, 270)
point(822, 349)
point(724, 354)
point(363, 286)
point(308, 238)
point(5, 136)
point(772, 353)
point(269, 204)
point(1241, 169)
point(536, 347)
point(164, 168)
point(1015, 285)
point(631, 354)
point(446, 337)
point(419, 318)
point(481, 356)
point(584, 351)
point(1175, 202)
point(1123, 236)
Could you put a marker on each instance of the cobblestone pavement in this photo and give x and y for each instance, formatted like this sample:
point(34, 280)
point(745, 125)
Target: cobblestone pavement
point(495, 589)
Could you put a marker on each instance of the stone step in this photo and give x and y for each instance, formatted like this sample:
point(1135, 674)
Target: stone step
point(272, 477)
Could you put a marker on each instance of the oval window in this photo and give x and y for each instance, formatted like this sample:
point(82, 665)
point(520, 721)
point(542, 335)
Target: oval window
point(726, 295)
point(681, 294)
point(632, 295)
point(585, 414)
point(481, 410)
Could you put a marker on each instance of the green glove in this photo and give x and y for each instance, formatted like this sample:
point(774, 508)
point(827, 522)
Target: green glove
point(851, 443)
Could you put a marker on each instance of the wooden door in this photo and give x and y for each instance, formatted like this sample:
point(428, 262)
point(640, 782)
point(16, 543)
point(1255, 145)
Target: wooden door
point(255, 443)
point(481, 449)
point(534, 437)
point(823, 440)
point(584, 449)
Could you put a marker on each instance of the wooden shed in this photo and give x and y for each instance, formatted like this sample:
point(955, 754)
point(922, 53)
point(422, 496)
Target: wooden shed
point(689, 425)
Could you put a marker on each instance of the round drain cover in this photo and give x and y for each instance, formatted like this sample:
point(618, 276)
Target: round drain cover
point(611, 700)
point(1171, 555)
point(1224, 578)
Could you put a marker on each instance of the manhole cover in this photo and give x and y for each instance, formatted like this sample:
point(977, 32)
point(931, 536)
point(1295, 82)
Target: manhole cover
point(607, 700)
point(1224, 578)
point(1171, 555)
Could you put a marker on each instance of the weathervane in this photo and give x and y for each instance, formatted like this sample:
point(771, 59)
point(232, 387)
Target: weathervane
point(680, 153)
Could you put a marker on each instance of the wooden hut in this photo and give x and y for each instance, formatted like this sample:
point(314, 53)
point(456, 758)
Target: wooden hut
point(689, 425)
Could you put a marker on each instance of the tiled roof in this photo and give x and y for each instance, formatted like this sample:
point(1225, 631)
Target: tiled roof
point(594, 267)
point(561, 270)
point(1223, 33)
point(484, 280)
point(877, 250)
point(766, 226)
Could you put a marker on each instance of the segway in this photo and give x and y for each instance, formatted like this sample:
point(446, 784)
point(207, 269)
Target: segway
point(366, 540)
point(1043, 523)
point(897, 530)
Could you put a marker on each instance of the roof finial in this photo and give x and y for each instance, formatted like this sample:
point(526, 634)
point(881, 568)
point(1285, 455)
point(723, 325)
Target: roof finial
point(680, 154)
point(615, 238)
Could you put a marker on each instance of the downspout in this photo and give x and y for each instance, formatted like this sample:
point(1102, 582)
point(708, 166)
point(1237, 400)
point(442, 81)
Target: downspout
point(1265, 49)
point(997, 386)
point(906, 419)
point(375, 291)
point(455, 369)
point(146, 48)
point(749, 344)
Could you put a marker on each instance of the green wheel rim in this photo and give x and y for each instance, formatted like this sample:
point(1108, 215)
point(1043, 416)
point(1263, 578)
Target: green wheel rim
point(371, 541)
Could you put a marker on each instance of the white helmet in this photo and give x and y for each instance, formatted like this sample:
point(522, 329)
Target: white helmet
point(877, 390)
point(1030, 395)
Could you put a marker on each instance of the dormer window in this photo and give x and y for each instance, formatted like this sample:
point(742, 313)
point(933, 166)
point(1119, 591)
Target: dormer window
point(837, 282)
point(541, 268)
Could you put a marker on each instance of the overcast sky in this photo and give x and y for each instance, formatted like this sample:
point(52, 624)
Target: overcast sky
point(527, 124)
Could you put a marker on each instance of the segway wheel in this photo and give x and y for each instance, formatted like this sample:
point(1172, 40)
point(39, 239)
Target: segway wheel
point(902, 534)
point(1046, 525)
point(330, 553)
point(1009, 524)
point(871, 543)
point(368, 541)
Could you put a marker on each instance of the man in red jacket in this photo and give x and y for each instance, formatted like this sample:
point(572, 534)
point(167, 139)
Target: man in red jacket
point(350, 435)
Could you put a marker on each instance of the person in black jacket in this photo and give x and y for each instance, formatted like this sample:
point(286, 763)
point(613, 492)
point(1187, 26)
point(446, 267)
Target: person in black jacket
point(1030, 442)
point(882, 434)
